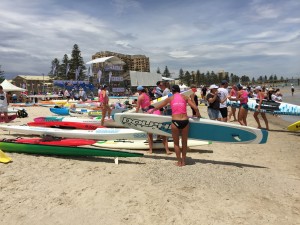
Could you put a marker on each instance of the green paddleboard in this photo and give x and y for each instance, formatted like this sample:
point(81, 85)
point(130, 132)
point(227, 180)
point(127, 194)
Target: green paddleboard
point(63, 151)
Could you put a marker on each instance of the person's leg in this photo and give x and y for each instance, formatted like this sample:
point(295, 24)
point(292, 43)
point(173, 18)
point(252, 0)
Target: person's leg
point(109, 111)
point(184, 138)
point(166, 145)
point(263, 115)
point(241, 116)
point(255, 115)
point(233, 111)
point(245, 117)
point(103, 115)
point(175, 136)
point(150, 141)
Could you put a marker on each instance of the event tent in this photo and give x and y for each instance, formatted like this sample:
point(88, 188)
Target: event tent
point(7, 86)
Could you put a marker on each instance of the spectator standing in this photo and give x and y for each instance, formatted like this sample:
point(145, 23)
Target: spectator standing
point(213, 100)
point(194, 98)
point(223, 94)
point(4, 102)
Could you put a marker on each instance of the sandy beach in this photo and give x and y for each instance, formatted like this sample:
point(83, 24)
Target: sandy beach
point(221, 184)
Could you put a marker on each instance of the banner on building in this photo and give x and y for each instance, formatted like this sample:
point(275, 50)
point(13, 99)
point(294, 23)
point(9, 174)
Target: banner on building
point(113, 68)
point(120, 89)
point(117, 79)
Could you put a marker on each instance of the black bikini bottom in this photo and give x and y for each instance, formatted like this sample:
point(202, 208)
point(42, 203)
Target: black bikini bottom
point(180, 124)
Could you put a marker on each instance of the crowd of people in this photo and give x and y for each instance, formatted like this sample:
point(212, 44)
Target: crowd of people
point(215, 98)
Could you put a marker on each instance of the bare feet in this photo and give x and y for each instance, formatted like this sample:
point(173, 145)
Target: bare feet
point(169, 153)
point(178, 164)
point(149, 152)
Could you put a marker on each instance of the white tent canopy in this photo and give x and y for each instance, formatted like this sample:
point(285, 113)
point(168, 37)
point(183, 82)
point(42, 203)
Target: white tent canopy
point(183, 87)
point(7, 86)
point(111, 59)
point(144, 78)
point(167, 78)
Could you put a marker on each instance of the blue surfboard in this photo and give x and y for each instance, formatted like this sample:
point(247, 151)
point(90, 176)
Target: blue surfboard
point(200, 129)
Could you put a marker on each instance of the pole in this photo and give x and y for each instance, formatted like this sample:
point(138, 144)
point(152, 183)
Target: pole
point(43, 85)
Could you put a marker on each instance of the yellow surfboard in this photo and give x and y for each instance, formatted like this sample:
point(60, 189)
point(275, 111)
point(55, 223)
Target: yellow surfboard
point(294, 126)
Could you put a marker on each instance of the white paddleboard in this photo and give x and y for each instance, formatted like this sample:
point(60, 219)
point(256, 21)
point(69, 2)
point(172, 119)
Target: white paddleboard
point(200, 129)
point(98, 134)
point(142, 144)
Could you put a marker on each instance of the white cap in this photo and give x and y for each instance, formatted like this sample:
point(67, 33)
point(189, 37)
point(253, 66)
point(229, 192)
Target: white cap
point(258, 88)
point(213, 86)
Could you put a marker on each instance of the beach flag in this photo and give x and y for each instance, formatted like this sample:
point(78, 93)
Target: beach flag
point(99, 74)
point(77, 72)
point(89, 73)
point(109, 76)
point(67, 69)
point(53, 68)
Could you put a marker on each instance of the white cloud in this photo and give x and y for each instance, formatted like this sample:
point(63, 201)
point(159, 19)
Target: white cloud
point(188, 35)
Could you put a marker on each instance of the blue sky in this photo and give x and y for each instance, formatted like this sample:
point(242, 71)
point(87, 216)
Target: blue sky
point(244, 37)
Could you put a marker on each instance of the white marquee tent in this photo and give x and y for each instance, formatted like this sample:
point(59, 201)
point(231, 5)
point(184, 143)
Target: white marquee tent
point(7, 86)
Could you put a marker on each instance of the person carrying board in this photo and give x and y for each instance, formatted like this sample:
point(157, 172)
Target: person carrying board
point(180, 121)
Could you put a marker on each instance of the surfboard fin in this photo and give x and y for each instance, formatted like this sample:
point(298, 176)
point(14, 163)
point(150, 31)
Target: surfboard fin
point(4, 158)
point(236, 137)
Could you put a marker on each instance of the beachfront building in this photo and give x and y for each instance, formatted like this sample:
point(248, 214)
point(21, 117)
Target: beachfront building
point(33, 84)
point(118, 76)
point(132, 62)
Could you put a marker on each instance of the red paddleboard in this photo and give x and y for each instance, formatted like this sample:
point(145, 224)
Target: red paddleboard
point(65, 125)
point(10, 117)
point(58, 142)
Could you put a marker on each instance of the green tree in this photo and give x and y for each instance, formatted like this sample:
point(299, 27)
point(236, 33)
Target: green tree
point(187, 78)
point(260, 79)
point(235, 79)
point(193, 78)
point(214, 77)
point(208, 78)
point(166, 72)
point(181, 76)
point(54, 73)
point(198, 78)
point(62, 70)
point(77, 63)
point(158, 70)
point(281, 79)
point(271, 79)
point(245, 79)
point(2, 78)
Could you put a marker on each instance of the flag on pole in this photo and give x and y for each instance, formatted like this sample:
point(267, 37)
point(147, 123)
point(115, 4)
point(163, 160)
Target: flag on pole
point(53, 68)
point(89, 73)
point(77, 73)
point(67, 69)
point(109, 76)
point(99, 74)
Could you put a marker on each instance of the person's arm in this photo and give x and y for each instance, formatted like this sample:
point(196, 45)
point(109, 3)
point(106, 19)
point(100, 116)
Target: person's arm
point(193, 105)
point(138, 104)
point(213, 98)
point(162, 104)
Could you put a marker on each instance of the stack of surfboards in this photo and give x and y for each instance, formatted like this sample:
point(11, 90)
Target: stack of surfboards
point(279, 108)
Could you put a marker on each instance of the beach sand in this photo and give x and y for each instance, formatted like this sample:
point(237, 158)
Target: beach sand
point(221, 184)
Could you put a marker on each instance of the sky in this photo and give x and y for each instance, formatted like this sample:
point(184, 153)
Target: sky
point(243, 37)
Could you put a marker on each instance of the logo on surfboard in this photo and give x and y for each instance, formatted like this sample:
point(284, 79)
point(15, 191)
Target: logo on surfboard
point(144, 123)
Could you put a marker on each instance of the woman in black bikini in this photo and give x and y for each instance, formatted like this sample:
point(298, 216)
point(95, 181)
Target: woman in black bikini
point(180, 121)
